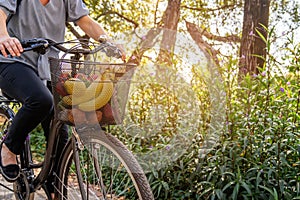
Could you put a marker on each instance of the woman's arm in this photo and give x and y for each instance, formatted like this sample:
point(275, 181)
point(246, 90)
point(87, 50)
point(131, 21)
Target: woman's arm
point(11, 44)
point(3, 18)
point(94, 30)
point(91, 27)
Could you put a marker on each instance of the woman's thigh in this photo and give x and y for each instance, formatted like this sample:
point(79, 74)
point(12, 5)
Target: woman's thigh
point(21, 82)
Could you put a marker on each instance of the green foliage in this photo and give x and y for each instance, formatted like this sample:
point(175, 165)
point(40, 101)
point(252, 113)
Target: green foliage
point(38, 144)
point(257, 154)
point(120, 15)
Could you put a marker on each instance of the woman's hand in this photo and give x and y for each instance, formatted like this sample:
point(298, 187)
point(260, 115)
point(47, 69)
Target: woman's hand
point(11, 45)
point(104, 38)
point(123, 52)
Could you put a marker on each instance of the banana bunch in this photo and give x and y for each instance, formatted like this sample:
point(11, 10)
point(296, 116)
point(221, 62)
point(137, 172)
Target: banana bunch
point(75, 86)
point(100, 100)
point(93, 90)
point(92, 98)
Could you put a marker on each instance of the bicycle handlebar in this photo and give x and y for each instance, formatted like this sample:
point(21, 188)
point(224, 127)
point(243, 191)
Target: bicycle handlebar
point(40, 45)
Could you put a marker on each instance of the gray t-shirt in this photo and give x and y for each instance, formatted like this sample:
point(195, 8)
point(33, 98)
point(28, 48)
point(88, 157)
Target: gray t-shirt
point(33, 20)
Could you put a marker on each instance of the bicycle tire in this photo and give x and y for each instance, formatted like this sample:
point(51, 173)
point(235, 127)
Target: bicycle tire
point(108, 150)
point(6, 115)
point(15, 189)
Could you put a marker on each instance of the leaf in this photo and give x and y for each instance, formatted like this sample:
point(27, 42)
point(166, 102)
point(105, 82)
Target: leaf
point(275, 194)
point(267, 189)
point(236, 191)
point(220, 194)
point(228, 185)
point(261, 36)
point(206, 191)
point(246, 187)
point(166, 185)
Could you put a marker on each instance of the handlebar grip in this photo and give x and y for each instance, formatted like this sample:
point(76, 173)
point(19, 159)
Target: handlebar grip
point(36, 44)
point(33, 42)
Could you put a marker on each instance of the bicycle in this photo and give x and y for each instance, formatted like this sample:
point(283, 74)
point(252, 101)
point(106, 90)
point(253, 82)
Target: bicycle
point(94, 164)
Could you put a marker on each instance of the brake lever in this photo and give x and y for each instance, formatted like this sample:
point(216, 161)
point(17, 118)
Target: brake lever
point(111, 50)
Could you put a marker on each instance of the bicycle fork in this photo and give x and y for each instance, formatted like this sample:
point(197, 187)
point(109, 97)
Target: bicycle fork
point(78, 146)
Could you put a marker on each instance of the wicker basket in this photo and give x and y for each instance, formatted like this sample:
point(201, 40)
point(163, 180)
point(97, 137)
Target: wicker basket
point(77, 88)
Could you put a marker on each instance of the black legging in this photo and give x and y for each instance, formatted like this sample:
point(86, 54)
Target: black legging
point(21, 82)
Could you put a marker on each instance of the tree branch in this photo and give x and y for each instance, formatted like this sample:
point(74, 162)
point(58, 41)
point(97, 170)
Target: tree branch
point(110, 12)
point(230, 38)
point(147, 42)
point(203, 9)
point(202, 44)
point(73, 31)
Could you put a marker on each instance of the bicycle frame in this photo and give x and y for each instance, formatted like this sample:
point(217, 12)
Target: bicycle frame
point(50, 154)
point(53, 141)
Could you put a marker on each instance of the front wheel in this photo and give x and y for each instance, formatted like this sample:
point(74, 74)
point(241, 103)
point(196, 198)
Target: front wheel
point(108, 171)
point(6, 116)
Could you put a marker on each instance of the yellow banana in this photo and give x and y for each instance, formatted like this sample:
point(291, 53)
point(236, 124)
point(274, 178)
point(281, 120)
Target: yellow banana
point(91, 92)
point(75, 86)
point(102, 99)
point(67, 100)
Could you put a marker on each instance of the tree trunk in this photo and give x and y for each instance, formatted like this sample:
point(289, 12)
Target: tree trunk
point(170, 22)
point(253, 48)
point(168, 25)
